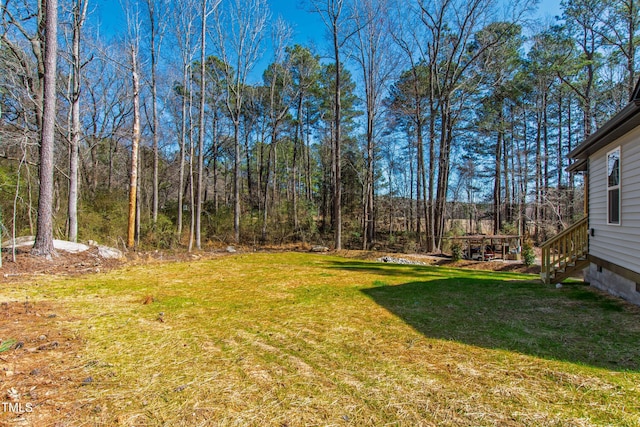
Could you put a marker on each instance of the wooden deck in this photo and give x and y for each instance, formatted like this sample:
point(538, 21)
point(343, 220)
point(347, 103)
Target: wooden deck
point(501, 246)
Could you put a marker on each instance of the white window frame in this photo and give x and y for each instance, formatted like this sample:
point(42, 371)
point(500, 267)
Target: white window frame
point(614, 187)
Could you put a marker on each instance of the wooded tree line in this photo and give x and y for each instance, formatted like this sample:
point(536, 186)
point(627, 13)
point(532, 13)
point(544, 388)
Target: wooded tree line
point(168, 134)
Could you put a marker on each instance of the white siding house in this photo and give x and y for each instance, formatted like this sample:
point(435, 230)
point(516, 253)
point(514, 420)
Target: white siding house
point(610, 159)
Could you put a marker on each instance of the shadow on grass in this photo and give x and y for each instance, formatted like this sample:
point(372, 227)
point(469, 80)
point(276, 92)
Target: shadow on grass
point(417, 270)
point(574, 323)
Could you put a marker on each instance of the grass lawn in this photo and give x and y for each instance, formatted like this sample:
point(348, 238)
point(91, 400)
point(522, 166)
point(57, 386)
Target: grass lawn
point(292, 339)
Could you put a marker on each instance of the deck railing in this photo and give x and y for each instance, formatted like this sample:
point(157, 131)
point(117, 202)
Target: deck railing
point(564, 252)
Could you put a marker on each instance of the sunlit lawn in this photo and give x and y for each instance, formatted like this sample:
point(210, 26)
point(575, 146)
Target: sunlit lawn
point(302, 339)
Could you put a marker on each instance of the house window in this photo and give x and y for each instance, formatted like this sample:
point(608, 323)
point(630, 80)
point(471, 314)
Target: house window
point(613, 186)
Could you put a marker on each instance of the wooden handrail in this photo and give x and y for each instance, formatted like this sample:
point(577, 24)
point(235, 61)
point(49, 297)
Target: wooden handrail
point(576, 225)
point(565, 249)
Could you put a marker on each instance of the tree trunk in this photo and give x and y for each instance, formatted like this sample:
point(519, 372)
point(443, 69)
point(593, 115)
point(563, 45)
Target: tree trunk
point(154, 100)
point(140, 198)
point(368, 232)
point(560, 157)
point(497, 181)
point(135, 143)
point(79, 14)
point(431, 224)
point(236, 182)
point(247, 159)
point(509, 169)
point(43, 245)
point(265, 210)
point(203, 91)
point(337, 156)
point(409, 215)
point(192, 187)
point(183, 140)
point(296, 148)
point(214, 159)
point(308, 160)
point(443, 171)
point(538, 175)
point(419, 180)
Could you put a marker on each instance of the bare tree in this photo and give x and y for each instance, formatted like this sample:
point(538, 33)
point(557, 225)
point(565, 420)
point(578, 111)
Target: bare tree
point(157, 23)
point(154, 51)
point(23, 161)
point(417, 102)
point(207, 9)
point(135, 144)
point(133, 24)
point(185, 16)
point(278, 76)
point(451, 26)
point(78, 13)
point(43, 245)
point(335, 16)
point(239, 42)
point(16, 20)
point(373, 52)
point(192, 187)
point(24, 76)
point(107, 110)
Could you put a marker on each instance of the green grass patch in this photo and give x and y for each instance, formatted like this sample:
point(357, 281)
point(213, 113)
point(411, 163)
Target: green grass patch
point(7, 344)
point(305, 339)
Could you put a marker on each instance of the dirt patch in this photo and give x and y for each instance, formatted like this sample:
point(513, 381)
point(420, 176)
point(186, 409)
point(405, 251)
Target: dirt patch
point(40, 367)
point(62, 262)
point(511, 266)
point(445, 261)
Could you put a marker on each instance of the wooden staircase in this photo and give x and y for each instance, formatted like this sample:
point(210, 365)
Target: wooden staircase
point(566, 253)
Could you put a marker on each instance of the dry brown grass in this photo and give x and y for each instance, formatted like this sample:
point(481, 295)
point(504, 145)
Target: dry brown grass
point(300, 339)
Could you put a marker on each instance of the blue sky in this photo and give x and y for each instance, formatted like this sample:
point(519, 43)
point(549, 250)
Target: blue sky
point(550, 7)
point(308, 28)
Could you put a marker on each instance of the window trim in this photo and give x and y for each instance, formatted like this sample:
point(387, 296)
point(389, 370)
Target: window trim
point(614, 187)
